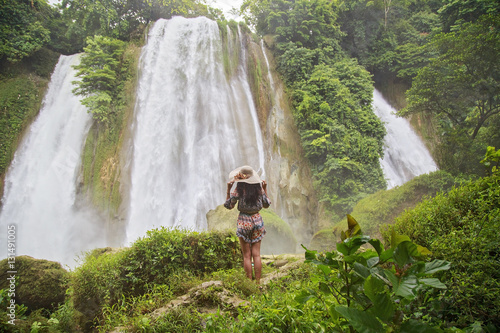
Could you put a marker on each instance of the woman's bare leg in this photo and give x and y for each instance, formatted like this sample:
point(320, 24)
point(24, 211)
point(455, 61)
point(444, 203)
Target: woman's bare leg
point(257, 263)
point(247, 257)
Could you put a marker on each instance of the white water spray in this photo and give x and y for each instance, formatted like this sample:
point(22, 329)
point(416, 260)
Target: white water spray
point(40, 186)
point(193, 126)
point(405, 155)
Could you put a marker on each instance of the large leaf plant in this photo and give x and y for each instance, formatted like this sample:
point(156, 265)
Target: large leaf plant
point(373, 290)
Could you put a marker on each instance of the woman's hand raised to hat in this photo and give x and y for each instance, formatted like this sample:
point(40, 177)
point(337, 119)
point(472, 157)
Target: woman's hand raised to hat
point(264, 184)
point(229, 185)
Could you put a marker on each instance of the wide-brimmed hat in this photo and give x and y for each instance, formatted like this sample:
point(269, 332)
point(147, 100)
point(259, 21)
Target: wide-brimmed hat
point(244, 174)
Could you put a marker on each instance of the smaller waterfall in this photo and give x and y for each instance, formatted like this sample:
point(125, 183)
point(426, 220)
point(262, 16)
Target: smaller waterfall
point(275, 123)
point(405, 155)
point(243, 81)
point(40, 187)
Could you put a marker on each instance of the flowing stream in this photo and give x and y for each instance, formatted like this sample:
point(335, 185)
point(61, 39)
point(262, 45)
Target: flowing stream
point(193, 126)
point(40, 187)
point(405, 155)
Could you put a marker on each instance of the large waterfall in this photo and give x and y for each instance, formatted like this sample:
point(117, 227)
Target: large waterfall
point(405, 155)
point(193, 126)
point(40, 186)
point(194, 121)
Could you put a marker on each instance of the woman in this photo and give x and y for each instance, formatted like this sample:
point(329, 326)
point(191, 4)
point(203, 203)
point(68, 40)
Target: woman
point(251, 195)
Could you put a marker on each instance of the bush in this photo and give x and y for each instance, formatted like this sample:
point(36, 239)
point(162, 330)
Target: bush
point(105, 278)
point(462, 227)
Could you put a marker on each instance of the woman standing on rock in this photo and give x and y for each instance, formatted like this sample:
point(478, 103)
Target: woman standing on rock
point(251, 195)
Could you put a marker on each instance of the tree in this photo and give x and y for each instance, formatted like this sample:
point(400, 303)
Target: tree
point(454, 13)
point(120, 18)
point(309, 24)
point(99, 71)
point(21, 28)
point(462, 84)
point(460, 88)
point(341, 135)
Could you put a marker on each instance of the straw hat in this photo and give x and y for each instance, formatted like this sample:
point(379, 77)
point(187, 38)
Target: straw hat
point(244, 174)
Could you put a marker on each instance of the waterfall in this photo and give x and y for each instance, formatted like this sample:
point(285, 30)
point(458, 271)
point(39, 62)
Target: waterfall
point(40, 186)
point(274, 125)
point(193, 125)
point(405, 155)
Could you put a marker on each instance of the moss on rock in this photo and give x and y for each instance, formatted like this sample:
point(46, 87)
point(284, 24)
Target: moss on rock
point(324, 240)
point(40, 283)
point(382, 208)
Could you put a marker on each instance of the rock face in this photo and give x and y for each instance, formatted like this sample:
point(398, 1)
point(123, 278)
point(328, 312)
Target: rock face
point(40, 283)
point(287, 172)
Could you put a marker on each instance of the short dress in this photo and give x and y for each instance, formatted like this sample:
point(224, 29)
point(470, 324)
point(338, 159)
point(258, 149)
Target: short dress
point(250, 225)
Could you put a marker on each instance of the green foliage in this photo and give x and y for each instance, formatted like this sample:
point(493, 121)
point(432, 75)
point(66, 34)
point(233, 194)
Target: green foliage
point(101, 166)
point(462, 227)
point(275, 309)
point(341, 135)
point(21, 28)
point(99, 69)
point(387, 36)
point(331, 96)
point(384, 206)
point(164, 256)
point(20, 99)
point(165, 251)
point(43, 284)
point(455, 13)
point(182, 320)
point(460, 87)
point(491, 160)
point(120, 19)
point(309, 24)
point(126, 310)
point(373, 290)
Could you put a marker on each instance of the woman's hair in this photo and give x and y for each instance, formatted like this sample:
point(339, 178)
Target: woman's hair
point(250, 193)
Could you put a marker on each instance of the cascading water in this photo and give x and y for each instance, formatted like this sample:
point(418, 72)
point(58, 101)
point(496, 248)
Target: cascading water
point(195, 122)
point(40, 186)
point(275, 122)
point(405, 155)
point(193, 126)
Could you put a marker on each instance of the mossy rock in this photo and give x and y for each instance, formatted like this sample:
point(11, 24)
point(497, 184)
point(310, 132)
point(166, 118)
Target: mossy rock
point(279, 238)
point(40, 283)
point(325, 240)
point(382, 207)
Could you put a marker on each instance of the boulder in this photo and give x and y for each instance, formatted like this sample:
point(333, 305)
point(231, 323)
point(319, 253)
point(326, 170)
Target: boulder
point(40, 283)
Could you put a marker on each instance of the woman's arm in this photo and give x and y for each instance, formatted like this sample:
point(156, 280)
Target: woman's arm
point(264, 187)
point(228, 194)
point(265, 200)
